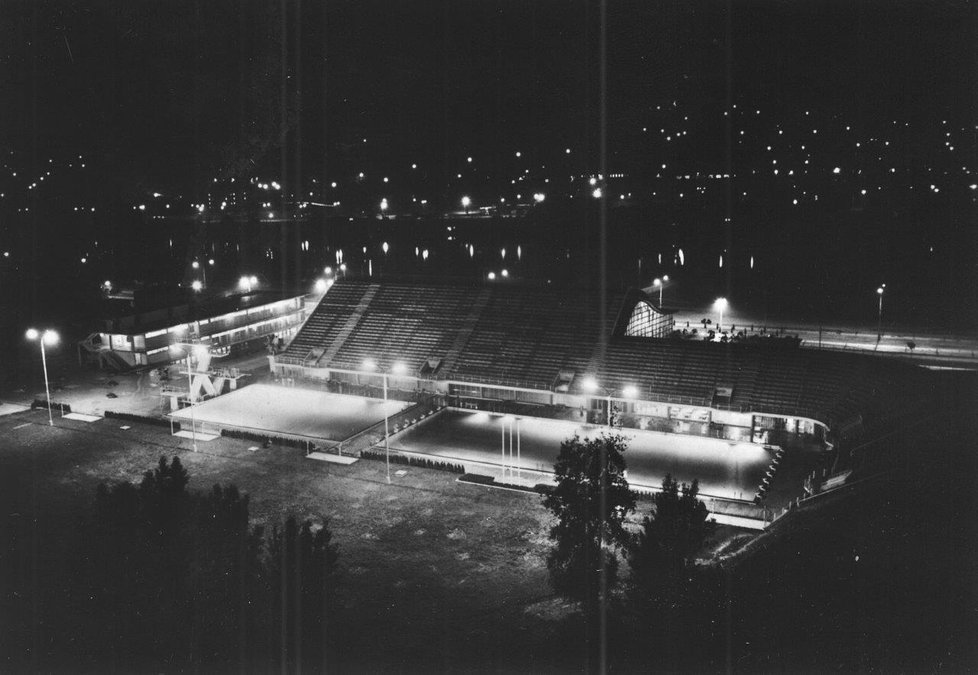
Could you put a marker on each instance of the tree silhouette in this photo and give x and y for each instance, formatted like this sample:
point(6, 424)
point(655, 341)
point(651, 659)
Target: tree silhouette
point(178, 580)
point(590, 502)
point(671, 535)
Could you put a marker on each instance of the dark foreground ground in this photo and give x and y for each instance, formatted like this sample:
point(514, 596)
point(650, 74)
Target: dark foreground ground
point(440, 576)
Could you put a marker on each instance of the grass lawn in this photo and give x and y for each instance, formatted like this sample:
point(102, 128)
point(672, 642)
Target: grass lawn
point(433, 573)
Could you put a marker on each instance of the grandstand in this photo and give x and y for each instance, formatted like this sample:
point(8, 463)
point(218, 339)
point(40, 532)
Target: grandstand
point(538, 346)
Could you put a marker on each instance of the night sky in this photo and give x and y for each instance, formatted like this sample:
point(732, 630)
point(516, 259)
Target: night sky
point(833, 142)
point(178, 91)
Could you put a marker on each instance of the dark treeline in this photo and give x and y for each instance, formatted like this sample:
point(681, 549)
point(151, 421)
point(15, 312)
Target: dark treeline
point(165, 579)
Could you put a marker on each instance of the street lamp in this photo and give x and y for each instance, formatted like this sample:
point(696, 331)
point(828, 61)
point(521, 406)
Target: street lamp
point(199, 350)
point(343, 269)
point(660, 284)
point(879, 317)
point(196, 285)
point(397, 368)
point(465, 203)
point(202, 268)
point(720, 304)
point(383, 208)
point(591, 385)
point(51, 338)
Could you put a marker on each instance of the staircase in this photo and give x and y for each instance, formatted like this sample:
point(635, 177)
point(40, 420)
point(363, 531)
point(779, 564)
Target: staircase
point(349, 326)
point(465, 332)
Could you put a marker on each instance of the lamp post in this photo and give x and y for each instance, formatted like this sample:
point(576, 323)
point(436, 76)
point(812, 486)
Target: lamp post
point(397, 369)
point(879, 316)
point(190, 383)
point(660, 284)
point(720, 304)
point(51, 338)
point(591, 385)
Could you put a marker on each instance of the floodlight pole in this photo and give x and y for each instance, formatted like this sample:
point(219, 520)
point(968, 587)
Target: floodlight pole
point(47, 389)
point(190, 399)
point(879, 316)
point(387, 447)
point(518, 460)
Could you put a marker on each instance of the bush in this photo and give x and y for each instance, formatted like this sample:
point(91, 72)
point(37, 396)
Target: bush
point(266, 438)
point(145, 419)
point(420, 462)
point(477, 478)
point(41, 403)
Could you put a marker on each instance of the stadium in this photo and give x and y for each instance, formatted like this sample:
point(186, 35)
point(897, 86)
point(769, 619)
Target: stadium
point(495, 376)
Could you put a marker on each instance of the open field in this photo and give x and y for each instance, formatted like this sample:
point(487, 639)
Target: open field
point(432, 568)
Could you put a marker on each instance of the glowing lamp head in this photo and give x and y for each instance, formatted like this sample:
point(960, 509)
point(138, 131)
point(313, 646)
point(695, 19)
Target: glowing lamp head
point(195, 264)
point(630, 391)
point(657, 282)
point(398, 368)
point(665, 278)
point(253, 280)
point(244, 284)
point(48, 337)
point(196, 285)
point(466, 202)
point(880, 290)
point(720, 303)
point(492, 276)
point(589, 384)
point(321, 286)
point(369, 364)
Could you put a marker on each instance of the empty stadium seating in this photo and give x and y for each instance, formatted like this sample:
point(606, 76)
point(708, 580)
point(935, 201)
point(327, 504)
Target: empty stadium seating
point(522, 336)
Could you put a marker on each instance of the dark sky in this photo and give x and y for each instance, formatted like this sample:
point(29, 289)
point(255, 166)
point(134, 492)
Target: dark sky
point(177, 91)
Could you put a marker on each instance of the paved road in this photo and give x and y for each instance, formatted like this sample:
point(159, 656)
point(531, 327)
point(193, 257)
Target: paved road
point(930, 347)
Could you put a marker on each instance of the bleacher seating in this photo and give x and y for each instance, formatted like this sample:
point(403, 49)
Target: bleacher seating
point(518, 336)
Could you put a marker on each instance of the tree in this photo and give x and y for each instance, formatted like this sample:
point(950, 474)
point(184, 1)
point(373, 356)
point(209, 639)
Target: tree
point(170, 579)
point(671, 535)
point(299, 572)
point(590, 502)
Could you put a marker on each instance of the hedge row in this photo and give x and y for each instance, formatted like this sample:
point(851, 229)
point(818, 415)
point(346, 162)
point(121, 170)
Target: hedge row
point(266, 438)
point(41, 403)
point(479, 479)
point(145, 419)
point(414, 461)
